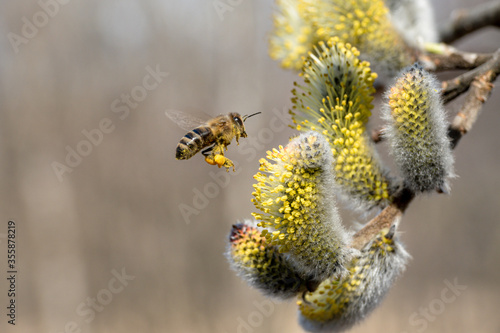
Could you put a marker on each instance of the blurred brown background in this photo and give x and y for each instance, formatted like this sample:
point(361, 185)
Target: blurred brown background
point(119, 207)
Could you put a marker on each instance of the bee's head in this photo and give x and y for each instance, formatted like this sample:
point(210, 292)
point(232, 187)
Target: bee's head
point(238, 124)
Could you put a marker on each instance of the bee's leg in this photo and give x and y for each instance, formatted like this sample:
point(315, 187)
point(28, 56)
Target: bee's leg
point(218, 149)
point(215, 155)
point(207, 151)
point(210, 160)
point(228, 164)
point(219, 159)
point(209, 155)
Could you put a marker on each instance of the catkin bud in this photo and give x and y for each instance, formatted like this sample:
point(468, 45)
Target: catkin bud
point(297, 208)
point(336, 100)
point(260, 264)
point(417, 130)
point(336, 305)
point(364, 24)
point(293, 34)
point(414, 20)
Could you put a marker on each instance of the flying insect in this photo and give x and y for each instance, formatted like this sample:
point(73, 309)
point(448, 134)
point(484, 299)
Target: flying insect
point(211, 137)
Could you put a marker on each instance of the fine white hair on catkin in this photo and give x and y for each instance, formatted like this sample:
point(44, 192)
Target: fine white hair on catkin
point(298, 210)
point(417, 130)
point(338, 305)
point(414, 20)
point(260, 264)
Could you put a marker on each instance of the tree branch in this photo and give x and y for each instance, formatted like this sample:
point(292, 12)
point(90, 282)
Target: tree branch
point(443, 57)
point(387, 217)
point(464, 21)
point(479, 92)
point(453, 88)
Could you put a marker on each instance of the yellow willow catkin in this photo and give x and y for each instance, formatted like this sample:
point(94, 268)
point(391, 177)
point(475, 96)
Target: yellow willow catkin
point(260, 264)
point(297, 208)
point(336, 100)
point(418, 132)
point(336, 305)
point(364, 24)
point(292, 36)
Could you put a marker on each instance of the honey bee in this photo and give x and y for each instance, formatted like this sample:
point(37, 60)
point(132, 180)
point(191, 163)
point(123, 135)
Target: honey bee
point(214, 135)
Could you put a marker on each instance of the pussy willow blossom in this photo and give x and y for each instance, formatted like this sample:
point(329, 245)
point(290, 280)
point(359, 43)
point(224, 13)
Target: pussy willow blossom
point(260, 264)
point(298, 214)
point(414, 20)
point(292, 36)
point(417, 130)
point(337, 305)
point(336, 100)
point(365, 24)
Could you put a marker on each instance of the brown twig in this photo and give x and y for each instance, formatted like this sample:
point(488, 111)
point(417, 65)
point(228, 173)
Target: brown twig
point(455, 87)
point(464, 21)
point(384, 220)
point(442, 57)
point(480, 89)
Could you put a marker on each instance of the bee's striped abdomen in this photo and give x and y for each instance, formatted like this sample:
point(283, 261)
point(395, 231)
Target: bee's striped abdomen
point(193, 142)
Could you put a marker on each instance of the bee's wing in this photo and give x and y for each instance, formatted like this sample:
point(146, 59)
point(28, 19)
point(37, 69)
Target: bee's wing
point(184, 120)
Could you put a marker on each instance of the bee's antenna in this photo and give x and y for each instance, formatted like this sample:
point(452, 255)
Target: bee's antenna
point(253, 114)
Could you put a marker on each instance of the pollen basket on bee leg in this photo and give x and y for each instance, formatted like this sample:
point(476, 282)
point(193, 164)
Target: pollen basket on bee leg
point(210, 160)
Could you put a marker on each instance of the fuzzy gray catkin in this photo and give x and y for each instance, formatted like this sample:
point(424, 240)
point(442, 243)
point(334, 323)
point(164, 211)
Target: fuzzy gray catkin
point(336, 100)
point(260, 264)
point(336, 305)
point(417, 130)
point(297, 207)
point(414, 20)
